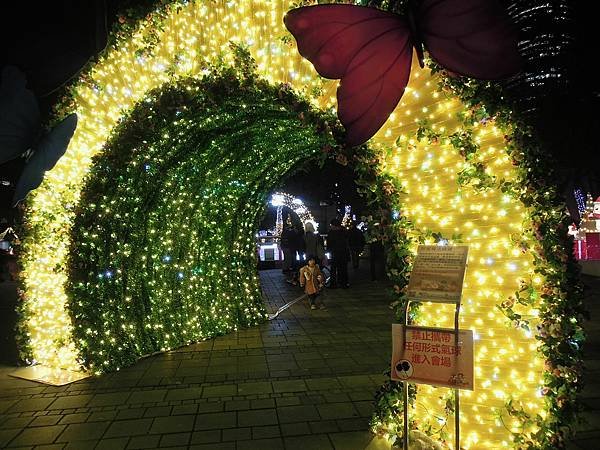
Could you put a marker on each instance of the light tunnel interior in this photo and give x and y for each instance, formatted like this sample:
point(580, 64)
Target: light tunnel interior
point(163, 249)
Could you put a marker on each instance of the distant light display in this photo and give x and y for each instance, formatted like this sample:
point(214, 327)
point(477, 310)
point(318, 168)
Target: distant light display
point(281, 199)
point(580, 199)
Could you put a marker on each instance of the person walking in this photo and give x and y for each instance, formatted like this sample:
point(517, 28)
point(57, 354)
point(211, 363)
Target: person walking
point(337, 244)
point(313, 243)
point(377, 259)
point(357, 244)
point(377, 255)
point(296, 250)
point(312, 280)
point(286, 243)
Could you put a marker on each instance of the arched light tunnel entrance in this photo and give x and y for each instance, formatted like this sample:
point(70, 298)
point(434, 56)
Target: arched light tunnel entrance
point(142, 236)
point(167, 251)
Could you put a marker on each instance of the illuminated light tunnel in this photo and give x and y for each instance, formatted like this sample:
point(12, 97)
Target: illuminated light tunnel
point(164, 238)
point(133, 248)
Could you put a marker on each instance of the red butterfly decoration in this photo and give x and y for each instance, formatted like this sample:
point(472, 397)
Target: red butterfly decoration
point(370, 51)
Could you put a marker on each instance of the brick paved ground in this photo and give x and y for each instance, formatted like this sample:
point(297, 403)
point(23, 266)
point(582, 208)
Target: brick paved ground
point(303, 381)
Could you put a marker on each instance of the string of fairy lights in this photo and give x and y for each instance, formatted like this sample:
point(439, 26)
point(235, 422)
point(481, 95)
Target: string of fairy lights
point(193, 36)
point(488, 221)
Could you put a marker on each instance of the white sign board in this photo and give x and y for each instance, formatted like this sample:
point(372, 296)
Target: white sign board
point(438, 273)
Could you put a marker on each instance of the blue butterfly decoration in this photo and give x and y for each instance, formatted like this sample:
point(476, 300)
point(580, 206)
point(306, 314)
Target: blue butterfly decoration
point(21, 132)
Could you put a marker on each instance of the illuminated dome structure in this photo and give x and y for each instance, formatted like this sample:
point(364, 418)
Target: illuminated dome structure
point(139, 239)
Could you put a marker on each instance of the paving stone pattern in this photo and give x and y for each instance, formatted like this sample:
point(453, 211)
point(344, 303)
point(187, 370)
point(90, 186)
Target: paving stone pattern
point(302, 381)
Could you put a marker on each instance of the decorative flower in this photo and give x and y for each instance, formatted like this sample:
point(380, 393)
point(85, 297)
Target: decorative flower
point(341, 159)
point(545, 390)
point(561, 400)
point(388, 188)
point(508, 303)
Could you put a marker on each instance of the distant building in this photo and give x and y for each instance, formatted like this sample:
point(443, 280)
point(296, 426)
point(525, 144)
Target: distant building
point(546, 38)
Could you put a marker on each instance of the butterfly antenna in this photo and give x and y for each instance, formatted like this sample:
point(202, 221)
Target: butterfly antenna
point(415, 35)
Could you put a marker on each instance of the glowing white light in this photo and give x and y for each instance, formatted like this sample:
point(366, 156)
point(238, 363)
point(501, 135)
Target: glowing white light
point(277, 200)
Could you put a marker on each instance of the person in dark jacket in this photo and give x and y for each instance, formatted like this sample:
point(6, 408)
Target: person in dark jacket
point(338, 246)
point(287, 237)
point(357, 244)
point(296, 250)
point(377, 253)
point(377, 260)
point(313, 243)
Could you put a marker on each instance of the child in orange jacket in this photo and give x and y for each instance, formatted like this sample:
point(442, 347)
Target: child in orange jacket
point(312, 279)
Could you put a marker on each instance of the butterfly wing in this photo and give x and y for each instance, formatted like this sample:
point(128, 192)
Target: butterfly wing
point(368, 49)
point(470, 37)
point(48, 152)
point(19, 115)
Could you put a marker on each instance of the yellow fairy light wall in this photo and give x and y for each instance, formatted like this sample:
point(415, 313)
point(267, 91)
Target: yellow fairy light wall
point(491, 223)
point(199, 32)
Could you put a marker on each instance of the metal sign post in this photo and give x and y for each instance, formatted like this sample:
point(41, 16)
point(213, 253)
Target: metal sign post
point(456, 390)
point(437, 276)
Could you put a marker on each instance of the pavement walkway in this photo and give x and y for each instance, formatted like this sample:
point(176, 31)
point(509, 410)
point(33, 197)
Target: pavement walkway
point(305, 381)
point(302, 381)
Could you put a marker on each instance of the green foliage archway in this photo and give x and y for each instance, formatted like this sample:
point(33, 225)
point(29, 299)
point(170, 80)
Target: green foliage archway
point(163, 240)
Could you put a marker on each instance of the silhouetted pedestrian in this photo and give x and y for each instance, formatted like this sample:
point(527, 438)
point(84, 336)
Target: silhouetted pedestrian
point(286, 244)
point(377, 260)
point(296, 250)
point(337, 244)
point(313, 243)
point(357, 244)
